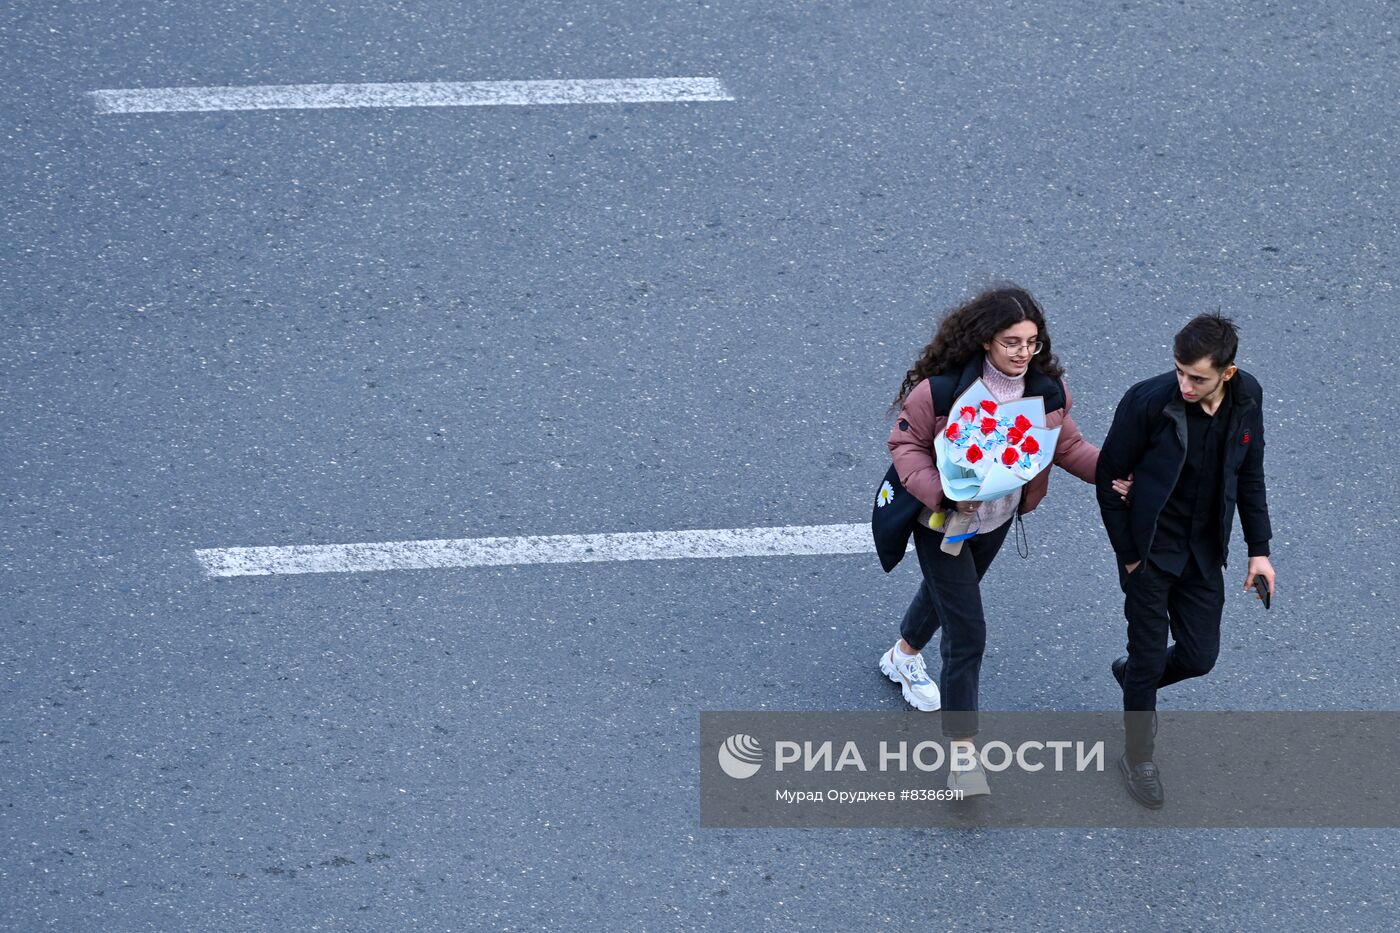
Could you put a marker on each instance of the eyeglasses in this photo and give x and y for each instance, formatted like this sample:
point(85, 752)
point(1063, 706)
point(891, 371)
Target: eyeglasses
point(1016, 346)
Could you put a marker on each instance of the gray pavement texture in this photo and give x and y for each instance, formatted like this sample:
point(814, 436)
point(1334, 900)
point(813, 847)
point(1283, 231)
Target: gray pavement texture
point(226, 329)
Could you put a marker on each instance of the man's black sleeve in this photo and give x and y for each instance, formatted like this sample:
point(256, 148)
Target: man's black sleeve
point(1119, 456)
point(1252, 501)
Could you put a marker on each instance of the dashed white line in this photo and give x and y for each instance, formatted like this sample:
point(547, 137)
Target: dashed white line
point(785, 540)
point(410, 94)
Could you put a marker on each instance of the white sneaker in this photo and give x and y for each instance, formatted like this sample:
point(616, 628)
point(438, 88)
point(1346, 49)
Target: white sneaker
point(920, 691)
point(972, 782)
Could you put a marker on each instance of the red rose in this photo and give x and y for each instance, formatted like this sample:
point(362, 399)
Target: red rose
point(1023, 423)
point(1009, 456)
point(989, 425)
point(989, 406)
point(952, 432)
point(967, 413)
point(1030, 446)
point(974, 453)
point(1014, 435)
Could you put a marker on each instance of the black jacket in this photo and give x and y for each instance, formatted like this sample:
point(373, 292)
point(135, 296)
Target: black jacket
point(1148, 440)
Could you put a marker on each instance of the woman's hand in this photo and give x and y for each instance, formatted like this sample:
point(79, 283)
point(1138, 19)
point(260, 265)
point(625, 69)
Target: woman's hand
point(968, 507)
point(1123, 487)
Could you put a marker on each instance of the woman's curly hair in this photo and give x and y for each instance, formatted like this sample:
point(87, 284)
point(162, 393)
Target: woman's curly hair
point(964, 330)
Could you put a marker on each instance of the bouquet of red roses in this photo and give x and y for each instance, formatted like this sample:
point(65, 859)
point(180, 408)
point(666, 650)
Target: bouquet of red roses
point(990, 449)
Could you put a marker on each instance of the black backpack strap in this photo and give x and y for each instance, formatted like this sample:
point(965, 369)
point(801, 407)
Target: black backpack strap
point(942, 389)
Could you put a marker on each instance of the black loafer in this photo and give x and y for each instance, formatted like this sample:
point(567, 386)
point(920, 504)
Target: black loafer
point(1144, 783)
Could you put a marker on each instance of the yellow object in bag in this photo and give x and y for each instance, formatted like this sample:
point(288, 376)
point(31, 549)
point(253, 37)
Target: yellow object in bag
point(934, 521)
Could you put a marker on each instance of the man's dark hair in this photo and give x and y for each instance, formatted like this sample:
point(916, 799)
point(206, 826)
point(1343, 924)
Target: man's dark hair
point(1211, 335)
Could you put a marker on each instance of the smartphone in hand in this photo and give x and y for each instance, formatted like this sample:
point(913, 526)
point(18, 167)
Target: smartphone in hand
point(1261, 586)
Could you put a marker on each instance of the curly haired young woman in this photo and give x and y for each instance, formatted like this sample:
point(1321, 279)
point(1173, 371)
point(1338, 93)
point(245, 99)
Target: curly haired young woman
point(999, 336)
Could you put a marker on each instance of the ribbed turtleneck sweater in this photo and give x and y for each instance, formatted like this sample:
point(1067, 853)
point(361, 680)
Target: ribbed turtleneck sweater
point(996, 513)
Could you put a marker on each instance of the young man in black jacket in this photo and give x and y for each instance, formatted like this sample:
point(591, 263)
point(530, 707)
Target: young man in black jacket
point(1193, 440)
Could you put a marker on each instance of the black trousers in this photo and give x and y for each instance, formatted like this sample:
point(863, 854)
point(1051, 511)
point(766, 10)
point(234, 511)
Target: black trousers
point(950, 598)
point(1157, 602)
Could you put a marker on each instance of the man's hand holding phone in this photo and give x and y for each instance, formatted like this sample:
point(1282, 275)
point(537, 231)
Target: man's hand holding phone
point(1260, 575)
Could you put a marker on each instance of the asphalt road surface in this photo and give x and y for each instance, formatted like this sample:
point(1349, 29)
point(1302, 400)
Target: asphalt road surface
point(281, 327)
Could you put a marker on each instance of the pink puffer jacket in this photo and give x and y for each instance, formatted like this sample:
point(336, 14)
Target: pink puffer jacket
point(911, 444)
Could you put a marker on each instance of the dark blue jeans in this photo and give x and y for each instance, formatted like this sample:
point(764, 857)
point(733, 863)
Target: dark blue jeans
point(950, 598)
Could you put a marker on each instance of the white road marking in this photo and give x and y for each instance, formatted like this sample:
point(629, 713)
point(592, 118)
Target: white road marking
point(785, 540)
point(412, 94)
